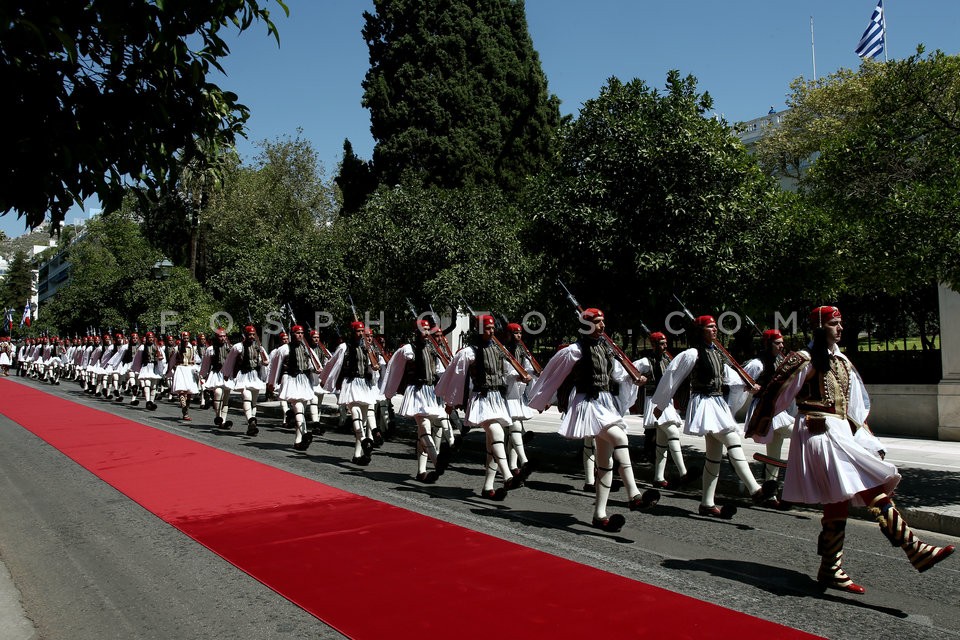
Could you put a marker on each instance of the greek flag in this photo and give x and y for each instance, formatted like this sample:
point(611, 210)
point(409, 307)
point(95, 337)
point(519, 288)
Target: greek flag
point(872, 40)
point(25, 320)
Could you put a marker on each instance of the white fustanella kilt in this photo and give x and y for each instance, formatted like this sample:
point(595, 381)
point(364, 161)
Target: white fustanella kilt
point(832, 466)
point(296, 388)
point(709, 414)
point(184, 380)
point(421, 401)
point(588, 417)
point(357, 391)
point(487, 408)
point(250, 380)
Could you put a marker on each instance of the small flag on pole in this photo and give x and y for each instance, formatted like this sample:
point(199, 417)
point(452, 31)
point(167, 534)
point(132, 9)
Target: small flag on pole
point(872, 41)
point(25, 320)
point(8, 320)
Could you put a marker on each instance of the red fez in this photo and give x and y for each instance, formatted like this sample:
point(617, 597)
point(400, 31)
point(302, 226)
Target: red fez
point(423, 324)
point(185, 334)
point(314, 332)
point(356, 324)
point(704, 321)
point(220, 332)
point(148, 334)
point(249, 329)
point(657, 336)
point(771, 334)
point(485, 321)
point(821, 315)
point(513, 327)
point(283, 334)
point(134, 335)
point(296, 327)
point(592, 314)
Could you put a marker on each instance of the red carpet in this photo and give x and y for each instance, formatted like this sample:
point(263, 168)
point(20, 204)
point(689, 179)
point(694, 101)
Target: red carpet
point(333, 553)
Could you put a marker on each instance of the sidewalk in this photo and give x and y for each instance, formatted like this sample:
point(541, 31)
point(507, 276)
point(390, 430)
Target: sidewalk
point(928, 495)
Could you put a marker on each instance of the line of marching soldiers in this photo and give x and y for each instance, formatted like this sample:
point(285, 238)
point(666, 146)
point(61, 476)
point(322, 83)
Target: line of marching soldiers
point(813, 397)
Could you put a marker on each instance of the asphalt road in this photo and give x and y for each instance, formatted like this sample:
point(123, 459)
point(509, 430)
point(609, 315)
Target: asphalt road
point(89, 563)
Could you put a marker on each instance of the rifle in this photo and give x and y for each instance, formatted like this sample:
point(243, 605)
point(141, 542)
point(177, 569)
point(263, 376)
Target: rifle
point(313, 356)
point(256, 338)
point(616, 351)
point(371, 355)
point(647, 332)
point(750, 382)
point(443, 337)
point(524, 376)
point(754, 325)
point(441, 353)
point(537, 369)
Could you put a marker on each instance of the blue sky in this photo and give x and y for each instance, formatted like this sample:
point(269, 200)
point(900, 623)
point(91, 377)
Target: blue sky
point(744, 53)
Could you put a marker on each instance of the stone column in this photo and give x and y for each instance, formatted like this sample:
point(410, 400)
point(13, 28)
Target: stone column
point(948, 391)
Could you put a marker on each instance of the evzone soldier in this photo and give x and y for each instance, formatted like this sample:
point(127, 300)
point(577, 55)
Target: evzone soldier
point(6, 355)
point(445, 430)
point(119, 365)
point(37, 359)
point(278, 376)
point(762, 369)
point(589, 368)
point(22, 355)
point(483, 365)
point(242, 369)
point(516, 404)
point(54, 360)
point(349, 373)
point(665, 427)
point(834, 458)
point(129, 376)
point(170, 356)
point(91, 358)
point(184, 365)
point(102, 367)
point(295, 360)
point(709, 416)
point(200, 347)
point(413, 370)
point(213, 380)
point(379, 408)
point(149, 364)
point(322, 355)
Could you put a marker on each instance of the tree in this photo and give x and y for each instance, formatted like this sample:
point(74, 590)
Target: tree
point(887, 174)
point(269, 237)
point(114, 284)
point(355, 180)
point(18, 284)
point(456, 94)
point(437, 246)
point(649, 197)
point(103, 93)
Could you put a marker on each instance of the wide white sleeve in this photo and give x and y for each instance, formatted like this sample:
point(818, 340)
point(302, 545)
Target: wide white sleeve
point(230, 366)
point(276, 363)
point(545, 388)
point(451, 386)
point(393, 375)
point(674, 375)
point(331, 370)
point(205, 362)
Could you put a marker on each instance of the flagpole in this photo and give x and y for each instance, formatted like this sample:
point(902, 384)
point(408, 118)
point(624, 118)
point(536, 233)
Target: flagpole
point(813, 50)
point(885, 43)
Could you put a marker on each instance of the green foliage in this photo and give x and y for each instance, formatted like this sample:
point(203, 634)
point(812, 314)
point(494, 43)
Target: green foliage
point(355, 180)
point(113, 283)
point(105, 92)
point(456, 94)
point(437, 246)
point(886, 182)
point(648, 197)
point(268, 238)
point(17, 285)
